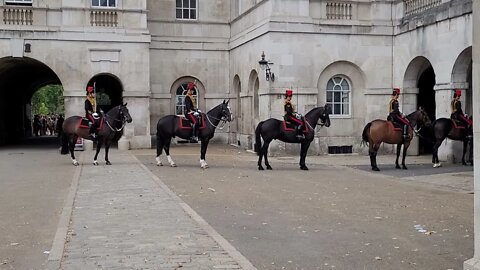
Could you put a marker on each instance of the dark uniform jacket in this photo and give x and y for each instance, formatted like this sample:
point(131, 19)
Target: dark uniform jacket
point(289, 109)
point(188, 104)
point(456, 107)
point(88, 108)
point(393, 107)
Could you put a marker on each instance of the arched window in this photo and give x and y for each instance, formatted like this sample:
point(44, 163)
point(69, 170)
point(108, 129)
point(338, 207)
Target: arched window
point(180, 96)
point(338, 95)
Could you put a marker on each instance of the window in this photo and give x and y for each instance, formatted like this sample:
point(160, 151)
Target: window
point(104, 3)
point(19, 2)
point(180, 96)
point(186, 9)
point(338, 96)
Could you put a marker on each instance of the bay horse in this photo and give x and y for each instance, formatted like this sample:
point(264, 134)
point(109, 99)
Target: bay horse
point(445, 128)
point(110, 129)
point(274, 129)
point(378, 131)
point(171, 126)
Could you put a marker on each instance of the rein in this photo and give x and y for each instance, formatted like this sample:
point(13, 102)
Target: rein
point(117, 120)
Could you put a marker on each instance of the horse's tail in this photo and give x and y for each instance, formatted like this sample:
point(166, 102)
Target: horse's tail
point(64, 140)
point(365, 132)
point(258, 141)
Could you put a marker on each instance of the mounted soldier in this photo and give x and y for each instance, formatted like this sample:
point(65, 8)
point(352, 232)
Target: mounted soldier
point(457, 112)
point(292, 116)
point(191, 112)
point(395, 115)
point(91, 111)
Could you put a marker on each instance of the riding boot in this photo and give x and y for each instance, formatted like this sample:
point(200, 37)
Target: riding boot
point(193, 137)
point(300, 135)
point(93, 128)
point(405, 135)
point(469, 132)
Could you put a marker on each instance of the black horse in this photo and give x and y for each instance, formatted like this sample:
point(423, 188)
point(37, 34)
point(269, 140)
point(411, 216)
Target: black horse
point(171, 126)
point(272, 129)
point(445, 128)
point(110, 130)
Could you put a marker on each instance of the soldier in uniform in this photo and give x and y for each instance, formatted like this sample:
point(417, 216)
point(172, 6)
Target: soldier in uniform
point(191, 112)
point(395, 115)
point(457, 112)
point(91, 111)
point(292, 116)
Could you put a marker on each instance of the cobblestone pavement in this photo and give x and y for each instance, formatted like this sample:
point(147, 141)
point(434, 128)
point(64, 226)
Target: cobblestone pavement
point(124, 217)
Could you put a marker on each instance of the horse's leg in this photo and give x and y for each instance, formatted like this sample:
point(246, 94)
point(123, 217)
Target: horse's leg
point(203, 152)
point(159, 150)
point(372, 152)
point(436, 162)
point(264, 151)
point(99, 146)
point(303, 154)
point(405, 147)
point(399, 147)
point(260, 155)
point(166, 147)
point(465, 145)
point(107, 147)
point(71, 148)
point(470, 154)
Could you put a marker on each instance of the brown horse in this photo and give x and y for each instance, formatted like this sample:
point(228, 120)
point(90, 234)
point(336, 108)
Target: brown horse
point(110, 129)
point(379, 131)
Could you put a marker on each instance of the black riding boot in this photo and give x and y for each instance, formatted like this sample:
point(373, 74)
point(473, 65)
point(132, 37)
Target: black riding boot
point(93, 129)
point(405, 134)
point(193, 137)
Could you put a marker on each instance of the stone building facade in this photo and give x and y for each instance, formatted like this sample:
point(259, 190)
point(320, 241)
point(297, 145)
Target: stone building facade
point(346, 53)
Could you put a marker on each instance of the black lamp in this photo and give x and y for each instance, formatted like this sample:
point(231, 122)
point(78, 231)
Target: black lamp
point(264, 63)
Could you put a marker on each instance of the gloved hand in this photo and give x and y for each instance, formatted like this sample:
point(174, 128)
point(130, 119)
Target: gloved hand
point(298, 116)
point(95, 115)
point(196, 113)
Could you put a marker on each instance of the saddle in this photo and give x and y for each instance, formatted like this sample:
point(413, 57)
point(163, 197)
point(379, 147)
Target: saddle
point(395, 126)
point(458, 124)
point(185, 123)
point(290, 126)
point(84, 122)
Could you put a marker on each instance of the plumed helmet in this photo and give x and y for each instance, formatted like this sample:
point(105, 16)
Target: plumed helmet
point(458, 92)
point(396, 91)
point(288, 93)
point(191, 86)
point(89, 89)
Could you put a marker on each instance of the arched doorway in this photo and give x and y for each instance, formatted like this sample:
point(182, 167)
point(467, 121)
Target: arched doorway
point(20, 78)
point(253, 86)
point(109, 90)
point(237, 88)
point(462, 78)
point(426, 100)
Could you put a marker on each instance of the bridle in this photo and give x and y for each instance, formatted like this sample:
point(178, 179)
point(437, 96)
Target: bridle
point(123, 120)
point(222, 119)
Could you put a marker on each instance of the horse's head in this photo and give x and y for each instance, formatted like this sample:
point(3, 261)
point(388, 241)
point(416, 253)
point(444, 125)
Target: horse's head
point(325, 115)
point(422, 118)
point(226, 114)
point(123, 113)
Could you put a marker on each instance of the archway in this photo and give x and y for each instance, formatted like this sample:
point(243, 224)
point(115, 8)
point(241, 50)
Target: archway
point(109, 90)
point(237, 88)
point(20, 78)
point(426, 99)
point(253, 86)
point(462, 77)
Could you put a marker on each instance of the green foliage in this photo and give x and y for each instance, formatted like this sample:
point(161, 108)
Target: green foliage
point(48, 100)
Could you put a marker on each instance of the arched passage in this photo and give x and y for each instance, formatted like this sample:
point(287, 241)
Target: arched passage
point(420, 77)
point(109, 90)
point(237, 88)
point(20, 78)
point(253, 86)
point(462, 77)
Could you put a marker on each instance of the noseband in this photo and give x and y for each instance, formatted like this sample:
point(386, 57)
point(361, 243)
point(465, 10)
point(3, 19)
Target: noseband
point(123, 120)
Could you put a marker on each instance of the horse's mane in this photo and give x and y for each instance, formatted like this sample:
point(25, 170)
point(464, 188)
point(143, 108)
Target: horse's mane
point(313, 110)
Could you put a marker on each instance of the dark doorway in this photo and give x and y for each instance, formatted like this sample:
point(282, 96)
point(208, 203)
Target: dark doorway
point(108, 90)
point(426, 99)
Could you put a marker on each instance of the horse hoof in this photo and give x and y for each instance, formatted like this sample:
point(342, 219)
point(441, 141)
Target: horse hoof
point(75, 163)
point(404, 167)
point(375, 169)
point(159, 163)
point(437, 165)
point(397, 167)
point(305, 168)
point(173, 165)
point(95, 163)
point(108, 163)
point(269, 167)
point(464, 164)
point(260, 168)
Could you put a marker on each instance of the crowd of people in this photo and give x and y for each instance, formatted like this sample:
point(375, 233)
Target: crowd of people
point(47, 125)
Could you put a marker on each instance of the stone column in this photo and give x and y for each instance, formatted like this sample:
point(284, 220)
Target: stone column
point(474, 263)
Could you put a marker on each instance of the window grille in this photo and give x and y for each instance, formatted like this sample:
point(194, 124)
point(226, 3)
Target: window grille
point(338, 96)
point(186, 9)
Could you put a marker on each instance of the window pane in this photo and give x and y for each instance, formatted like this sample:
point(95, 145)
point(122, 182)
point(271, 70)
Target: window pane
point(336, 109)
point(329, 96)
point(179, 13)
point(337, 87)
point(345, 109)
point(179, 3)
point(185, 14)
point(103, 3)
point(185, 4)
point(345, 85)
point(193, 3)
point(95, 3)
point(330, 85)
point(111, 3)
point(336, 97)
point(193, 14)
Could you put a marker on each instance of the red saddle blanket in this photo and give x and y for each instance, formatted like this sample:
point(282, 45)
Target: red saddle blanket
point(83, 123)
point(289, 126)
point(186, 123)
point(395, 127)
point(457, 124)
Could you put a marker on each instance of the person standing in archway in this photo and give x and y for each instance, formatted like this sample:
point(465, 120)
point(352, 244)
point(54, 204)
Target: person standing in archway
point(457, 112)
point(91, 111)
